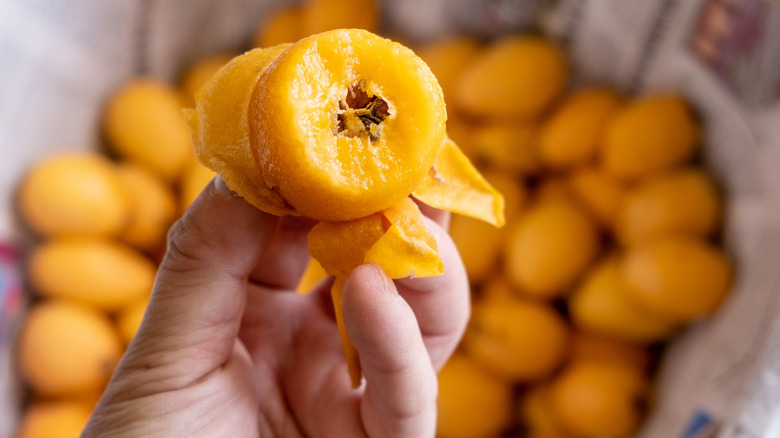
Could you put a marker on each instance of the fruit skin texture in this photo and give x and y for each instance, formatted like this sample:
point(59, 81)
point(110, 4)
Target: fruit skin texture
point(602, 304)
point(682, 278)
point(152, 206)
point(74, 194)
point(573, 134)
point(326, 174)
point(99, 272)
point(518, 77)
point(518, 340)
point(144, 123)
point(471, 402)
point(549, 247)
point(650, 134)
point(61, 419)
point(683, 201)
point(599, 399)
point(67, 349)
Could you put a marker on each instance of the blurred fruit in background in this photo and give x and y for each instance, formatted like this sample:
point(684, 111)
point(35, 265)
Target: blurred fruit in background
point(60, 419)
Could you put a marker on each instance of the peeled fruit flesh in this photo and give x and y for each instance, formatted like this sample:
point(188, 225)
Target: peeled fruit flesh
point(359, 128)
point(683, 201)
point(200, 72)
point(650, 134)
point(681, 278)
point(95, 271)
point(472, 403)
point(549, 247)
point(518, 77)
point(74, 194)
point(67, 349)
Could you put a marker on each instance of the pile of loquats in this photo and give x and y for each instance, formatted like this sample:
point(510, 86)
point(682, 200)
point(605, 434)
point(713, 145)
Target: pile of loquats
point(610, 246)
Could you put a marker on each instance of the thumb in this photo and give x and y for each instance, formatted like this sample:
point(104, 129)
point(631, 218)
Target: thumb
point(400, 396)
point(198, 300)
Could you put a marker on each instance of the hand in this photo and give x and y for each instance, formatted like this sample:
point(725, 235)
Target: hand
point(228, 349)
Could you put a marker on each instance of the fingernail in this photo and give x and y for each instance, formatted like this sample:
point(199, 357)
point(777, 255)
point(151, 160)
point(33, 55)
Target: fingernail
point(387, 283)
point(221, 188)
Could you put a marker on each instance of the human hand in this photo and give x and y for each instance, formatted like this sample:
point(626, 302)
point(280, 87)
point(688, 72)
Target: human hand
point(227, 348)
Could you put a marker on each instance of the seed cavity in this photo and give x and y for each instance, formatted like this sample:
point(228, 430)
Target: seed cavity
point(360, 114)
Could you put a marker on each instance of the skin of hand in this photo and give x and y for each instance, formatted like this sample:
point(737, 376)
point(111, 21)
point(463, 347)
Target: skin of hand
point(227, 348)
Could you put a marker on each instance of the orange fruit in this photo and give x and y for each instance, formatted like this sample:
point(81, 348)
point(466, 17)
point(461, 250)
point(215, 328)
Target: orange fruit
point(513, 190)
point(573, 133)
point(143, 122)
point(313, 275)
point(506, 146)
point(283, 26)
point(129, 318)
point(549, 248)
point(471, 403)
point(599, 399)
point(537, 417)
point(447, 58)
point(67, 349)
point(601, 194)
point(650, 134)
point(99, 272)
point(320, 137)
point(681, 278)
point(152, 208)
point(603, 304)
point(479, 245)
point(199, 73)
point(587, 346)
point(518, 340)
point(323, 15)
point(683, 201)
point(193, 180)
point(517, 77)
point(74, 194)
point(61, 419)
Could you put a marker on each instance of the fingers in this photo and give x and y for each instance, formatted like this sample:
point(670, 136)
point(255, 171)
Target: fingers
point(400, 395)
point(441, 304)
point(198, 301)
point(284, 261)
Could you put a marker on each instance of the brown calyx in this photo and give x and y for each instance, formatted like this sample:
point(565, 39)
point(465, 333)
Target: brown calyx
point(361, 114)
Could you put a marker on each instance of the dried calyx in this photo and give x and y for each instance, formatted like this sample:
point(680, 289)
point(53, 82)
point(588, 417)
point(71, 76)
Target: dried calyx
point(360, 114)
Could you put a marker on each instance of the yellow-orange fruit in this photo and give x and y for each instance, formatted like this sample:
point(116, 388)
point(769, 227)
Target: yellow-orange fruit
point(507, 146)
point(650, 134)
point(447, 59)
point(152, 208)
point(516, 77)
point(199, 73)
point(573, 134)
point(537, 416)
point(283, 26)
point(683, 201)
point(67, 349)
point(601, 194)
point(74, 194)
point(549, 248)
point(597, 347)
point(517, 339)
point(599, 399)
point(479, 245)
point(99, 272)
point(60, 419)
point(144, 123)
point(129, 318)
point(472, 403)
point(681, 278)
point(603, 304)
point(323, 15)
point(193, 180)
